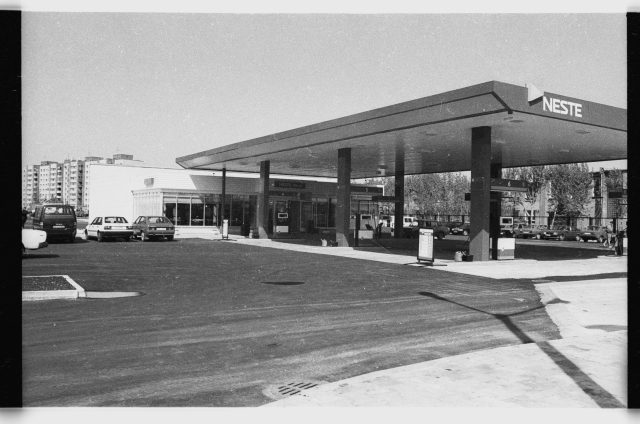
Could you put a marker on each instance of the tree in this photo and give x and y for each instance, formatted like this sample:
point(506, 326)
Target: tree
point(569, 189)
point(536, 176)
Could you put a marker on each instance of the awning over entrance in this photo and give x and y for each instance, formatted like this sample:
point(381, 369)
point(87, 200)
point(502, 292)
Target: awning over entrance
point(435, 135)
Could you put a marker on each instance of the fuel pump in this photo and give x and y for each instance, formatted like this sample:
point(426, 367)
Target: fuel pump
point(282, 223)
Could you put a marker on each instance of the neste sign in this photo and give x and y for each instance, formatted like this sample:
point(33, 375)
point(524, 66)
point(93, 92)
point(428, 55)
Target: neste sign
point(562, 107)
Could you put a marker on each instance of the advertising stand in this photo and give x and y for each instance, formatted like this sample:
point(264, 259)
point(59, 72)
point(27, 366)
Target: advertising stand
point(425, 245)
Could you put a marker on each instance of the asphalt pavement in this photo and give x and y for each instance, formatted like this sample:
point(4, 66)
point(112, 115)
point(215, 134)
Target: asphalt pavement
point(228, 323)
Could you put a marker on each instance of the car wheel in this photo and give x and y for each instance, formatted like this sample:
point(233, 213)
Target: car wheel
point(440, 236)
point(127, 239)
point(561, 237)
point(601, 239)
point(72, 238)
point(578, 238)
point(465, 233)
point(100, 236)
point(585, 240)
point(143, 236)
point(169, 238)
point(538, 237)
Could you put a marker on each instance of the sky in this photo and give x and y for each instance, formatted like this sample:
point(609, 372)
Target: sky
point(164, 85)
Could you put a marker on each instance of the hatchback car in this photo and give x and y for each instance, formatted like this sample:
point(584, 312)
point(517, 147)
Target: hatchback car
point(33, 239)
point(533, 231)
point(561, 232)
point(103, 227)
point(594, 232)
point(150, 227)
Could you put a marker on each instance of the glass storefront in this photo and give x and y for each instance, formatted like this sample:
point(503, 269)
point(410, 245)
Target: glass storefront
point(198, 209)
point(204, 210)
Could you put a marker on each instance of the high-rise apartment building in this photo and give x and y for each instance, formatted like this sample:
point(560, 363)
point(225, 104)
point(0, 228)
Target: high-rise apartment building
point(30, 188)
point(67, 182)
point(73, 183)
point(50, 181)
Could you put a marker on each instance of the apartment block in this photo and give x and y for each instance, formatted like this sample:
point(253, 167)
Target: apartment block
point(30, 188)
point(73, 183)
point(50, 181)
point(67, 182)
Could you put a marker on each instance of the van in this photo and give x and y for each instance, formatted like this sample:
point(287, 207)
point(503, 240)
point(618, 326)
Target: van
point(506, 223)
point(57, 220)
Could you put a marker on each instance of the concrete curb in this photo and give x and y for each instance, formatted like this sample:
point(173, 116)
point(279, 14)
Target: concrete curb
point(55, 294)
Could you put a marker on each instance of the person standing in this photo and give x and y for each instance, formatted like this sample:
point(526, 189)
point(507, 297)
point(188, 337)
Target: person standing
point(609, 232)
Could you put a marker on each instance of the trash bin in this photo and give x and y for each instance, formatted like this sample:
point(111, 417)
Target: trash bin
point(458, 257)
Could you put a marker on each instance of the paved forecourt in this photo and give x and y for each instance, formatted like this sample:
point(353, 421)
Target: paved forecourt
point(584, 369)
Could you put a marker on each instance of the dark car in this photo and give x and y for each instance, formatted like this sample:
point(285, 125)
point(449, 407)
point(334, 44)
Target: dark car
point(150, 227)
point(57, 220)
point(440, 230)
point(462, 229)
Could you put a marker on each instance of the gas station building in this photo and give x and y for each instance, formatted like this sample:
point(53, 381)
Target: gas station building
point(482, 128)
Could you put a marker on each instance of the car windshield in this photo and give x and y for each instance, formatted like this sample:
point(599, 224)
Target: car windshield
point(58, 210)
point(114, 220)
point(158, 220)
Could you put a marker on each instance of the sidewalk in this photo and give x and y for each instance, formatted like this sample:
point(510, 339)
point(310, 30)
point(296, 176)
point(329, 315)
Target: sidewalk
point(584, 369)
point(604, 264)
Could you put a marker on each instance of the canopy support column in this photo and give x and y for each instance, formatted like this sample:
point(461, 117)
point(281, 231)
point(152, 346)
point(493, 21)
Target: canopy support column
point(343, 201)
point(224, 194)
point(399, 191)
point(480, 193)
point(495, 211)
point(263, 200)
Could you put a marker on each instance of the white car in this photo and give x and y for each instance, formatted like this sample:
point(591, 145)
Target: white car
point(103, 227)
point(33, 239)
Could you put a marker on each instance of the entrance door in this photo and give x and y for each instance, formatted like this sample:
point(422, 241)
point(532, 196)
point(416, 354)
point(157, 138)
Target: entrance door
point(294, 216)
point(306, 218)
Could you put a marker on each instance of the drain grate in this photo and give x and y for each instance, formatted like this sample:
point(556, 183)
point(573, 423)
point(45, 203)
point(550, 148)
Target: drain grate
point(284, 390)
point(282, 283)
point(294, 388)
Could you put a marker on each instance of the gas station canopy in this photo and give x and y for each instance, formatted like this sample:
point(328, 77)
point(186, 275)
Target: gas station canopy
point(435, 133)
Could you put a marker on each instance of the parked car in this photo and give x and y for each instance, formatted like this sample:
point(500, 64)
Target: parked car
point(533, 231)
point(149, 227)
point(440, 230)
point(103, 227)
point(561, 232)
point(462, 229)
point(594, 232)
point(452, 225)
point(33, 239)
point(57, 220)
